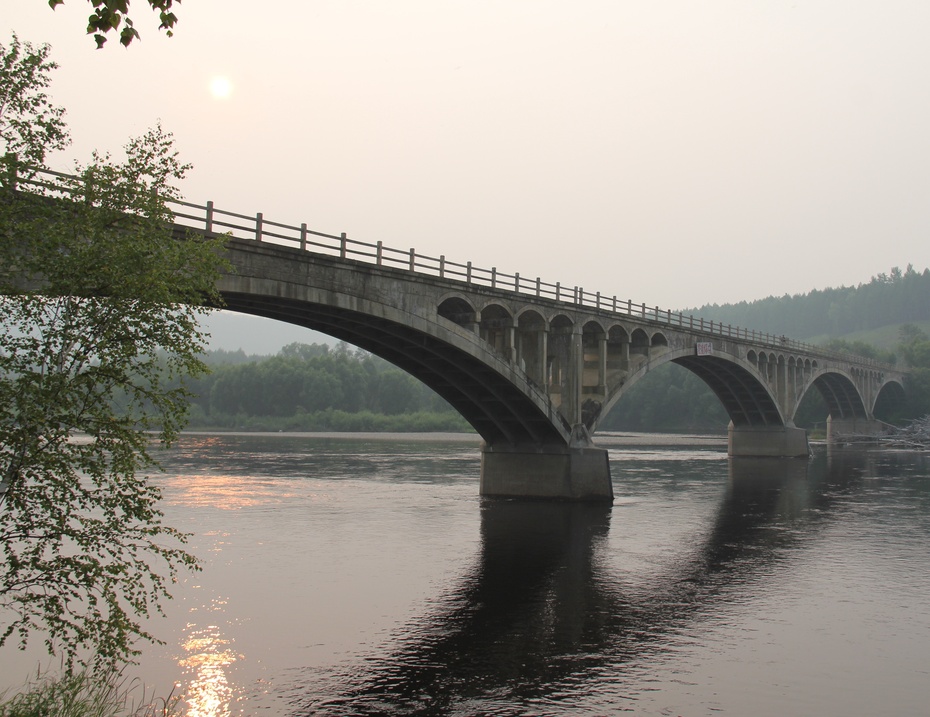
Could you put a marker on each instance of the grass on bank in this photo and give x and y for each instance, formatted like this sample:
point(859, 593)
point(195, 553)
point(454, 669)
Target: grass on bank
point(85, 694)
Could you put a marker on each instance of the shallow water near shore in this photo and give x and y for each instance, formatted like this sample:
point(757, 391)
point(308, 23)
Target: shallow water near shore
point(363, 575)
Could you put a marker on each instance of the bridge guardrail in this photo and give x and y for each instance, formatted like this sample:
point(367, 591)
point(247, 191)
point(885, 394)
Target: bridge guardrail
point(215, 221)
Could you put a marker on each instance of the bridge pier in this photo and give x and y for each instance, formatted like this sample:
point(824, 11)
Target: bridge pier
point(767, 441)
point(551, 472)
point(840, 427)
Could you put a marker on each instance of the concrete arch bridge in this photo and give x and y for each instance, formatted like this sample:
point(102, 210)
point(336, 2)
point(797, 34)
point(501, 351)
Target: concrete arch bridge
point(532, 365)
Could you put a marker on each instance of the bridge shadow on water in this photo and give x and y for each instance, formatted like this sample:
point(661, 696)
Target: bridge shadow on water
point(541, 620)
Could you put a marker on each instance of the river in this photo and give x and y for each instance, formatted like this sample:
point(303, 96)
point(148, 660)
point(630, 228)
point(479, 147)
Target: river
point(363, 575)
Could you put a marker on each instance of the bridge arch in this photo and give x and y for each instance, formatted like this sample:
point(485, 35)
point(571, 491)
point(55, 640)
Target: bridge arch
point(839, 393)
point(889, 397)
point(745, 397)
point(434, 344)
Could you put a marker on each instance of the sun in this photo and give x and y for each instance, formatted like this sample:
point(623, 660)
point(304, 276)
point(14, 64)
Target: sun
point(221, 87)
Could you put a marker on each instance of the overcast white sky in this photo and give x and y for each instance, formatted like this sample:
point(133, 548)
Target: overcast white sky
point(677, 153)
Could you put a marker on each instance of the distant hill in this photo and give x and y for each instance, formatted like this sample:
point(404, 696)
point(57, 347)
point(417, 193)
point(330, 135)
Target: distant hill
point(868, 312)
point(885, 337)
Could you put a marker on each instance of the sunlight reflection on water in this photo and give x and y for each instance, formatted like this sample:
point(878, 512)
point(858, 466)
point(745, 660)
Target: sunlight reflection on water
point(205, 664)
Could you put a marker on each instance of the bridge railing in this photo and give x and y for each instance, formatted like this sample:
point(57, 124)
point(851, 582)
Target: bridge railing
point(213, 221)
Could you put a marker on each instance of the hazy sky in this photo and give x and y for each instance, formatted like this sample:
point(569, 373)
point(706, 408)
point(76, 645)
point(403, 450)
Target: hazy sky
point(677, 153)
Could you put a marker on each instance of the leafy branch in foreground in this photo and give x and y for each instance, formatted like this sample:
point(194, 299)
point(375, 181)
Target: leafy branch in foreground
point(98, 297)
point(111, 14)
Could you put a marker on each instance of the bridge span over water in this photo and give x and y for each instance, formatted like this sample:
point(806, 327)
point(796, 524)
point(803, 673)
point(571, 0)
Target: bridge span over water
point(533, 366)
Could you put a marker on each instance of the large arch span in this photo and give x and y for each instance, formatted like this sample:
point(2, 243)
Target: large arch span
point(476, 381)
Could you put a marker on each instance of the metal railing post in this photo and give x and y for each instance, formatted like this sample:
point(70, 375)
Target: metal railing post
point(379, 254)
point(468, 273)
point(442, 266)
point(413, 259)
point(516, 282)
point(303, 236)
point(493, 277)
point(209, 220)
point(258, 226)
point(342, 245)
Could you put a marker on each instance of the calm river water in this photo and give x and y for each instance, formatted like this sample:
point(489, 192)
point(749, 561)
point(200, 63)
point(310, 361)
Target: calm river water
point(363, 575)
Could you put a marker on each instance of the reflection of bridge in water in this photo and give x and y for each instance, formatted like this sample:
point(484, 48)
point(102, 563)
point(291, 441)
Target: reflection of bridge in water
point(538, 620)
point(531, 365)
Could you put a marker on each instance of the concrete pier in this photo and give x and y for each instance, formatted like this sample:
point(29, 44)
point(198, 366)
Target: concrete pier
point(549, 472)
point(838, 428)
point(767, 441)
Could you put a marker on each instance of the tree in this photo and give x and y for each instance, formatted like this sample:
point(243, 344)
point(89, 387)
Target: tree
point(30, 125)
point(110, 14)
point(914, 348)
point(98, 301)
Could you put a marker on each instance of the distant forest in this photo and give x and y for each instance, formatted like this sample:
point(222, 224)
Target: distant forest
point(319, 388)
point(313, 387)
point(898, 297)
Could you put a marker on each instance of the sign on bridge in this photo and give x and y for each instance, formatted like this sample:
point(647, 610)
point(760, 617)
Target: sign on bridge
point(704, 348)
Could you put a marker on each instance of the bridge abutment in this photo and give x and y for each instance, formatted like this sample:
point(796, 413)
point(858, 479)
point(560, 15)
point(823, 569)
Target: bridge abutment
point(767, 441)
point(551, 472)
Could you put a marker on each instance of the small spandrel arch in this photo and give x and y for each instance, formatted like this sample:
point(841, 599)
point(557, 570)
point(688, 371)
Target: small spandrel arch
point(558, 355)
point(591, 335)
point(458, 311)
point(618, 353)
point(532, 345)
point(594, 375)
point(639, 342)
point(496, 327)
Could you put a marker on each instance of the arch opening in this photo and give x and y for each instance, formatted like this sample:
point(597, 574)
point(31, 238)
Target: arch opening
point(496, 327)
point(458, 311)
